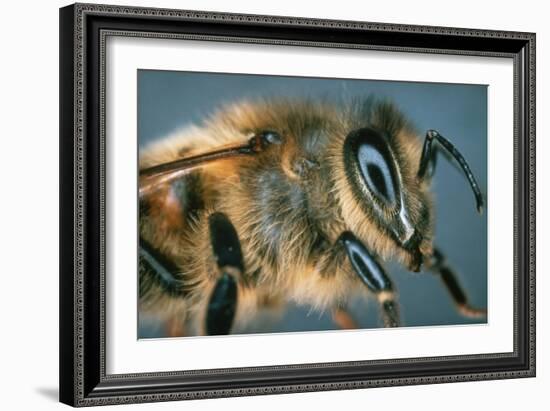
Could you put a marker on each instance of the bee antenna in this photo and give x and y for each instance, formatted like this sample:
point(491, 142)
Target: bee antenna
point(428, 157)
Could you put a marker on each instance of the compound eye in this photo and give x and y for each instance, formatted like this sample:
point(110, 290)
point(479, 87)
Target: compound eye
point(371, 154)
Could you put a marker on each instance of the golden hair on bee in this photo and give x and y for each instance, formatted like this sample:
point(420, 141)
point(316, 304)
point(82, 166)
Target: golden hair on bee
point(281, 200)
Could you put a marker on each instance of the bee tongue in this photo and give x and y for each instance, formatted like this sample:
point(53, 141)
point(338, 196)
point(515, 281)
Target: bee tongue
point(412, 246)
point(415, 260)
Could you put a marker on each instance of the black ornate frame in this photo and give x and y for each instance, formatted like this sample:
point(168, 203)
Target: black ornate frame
point(83, 30)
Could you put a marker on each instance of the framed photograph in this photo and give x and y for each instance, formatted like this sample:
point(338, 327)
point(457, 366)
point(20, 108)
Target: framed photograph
point(261, 204)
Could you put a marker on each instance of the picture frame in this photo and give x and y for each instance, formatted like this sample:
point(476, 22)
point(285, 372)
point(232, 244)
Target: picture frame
point(84, 83)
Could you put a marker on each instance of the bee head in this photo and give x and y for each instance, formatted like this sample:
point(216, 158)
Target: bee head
point(389, 209)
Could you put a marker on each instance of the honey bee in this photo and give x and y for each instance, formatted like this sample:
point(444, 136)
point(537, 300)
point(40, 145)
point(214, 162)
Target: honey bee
point(289, 200)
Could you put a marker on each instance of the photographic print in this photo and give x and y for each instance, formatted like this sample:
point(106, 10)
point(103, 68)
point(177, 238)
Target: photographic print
point(290, 204)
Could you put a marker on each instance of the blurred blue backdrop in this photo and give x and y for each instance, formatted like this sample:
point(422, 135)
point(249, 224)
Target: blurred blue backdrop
point(169, 100)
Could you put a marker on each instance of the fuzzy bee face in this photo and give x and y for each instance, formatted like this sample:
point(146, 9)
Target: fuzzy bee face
point(380, 195)
point(375, 175)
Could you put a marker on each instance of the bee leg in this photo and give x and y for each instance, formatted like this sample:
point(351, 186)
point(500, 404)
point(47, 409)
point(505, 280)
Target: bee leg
point(222, 306)
point(343, 319)
point(175, 327)
point(429, 158)
point(226, 249)
point(373, 276)
point(158, 275)
point(450, 281)
point(157, 270)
